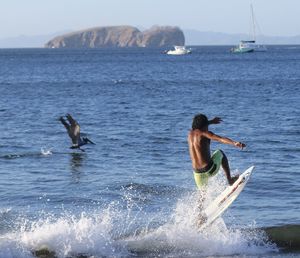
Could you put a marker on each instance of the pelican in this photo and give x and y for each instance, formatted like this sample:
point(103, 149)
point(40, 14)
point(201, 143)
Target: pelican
point(73, 130)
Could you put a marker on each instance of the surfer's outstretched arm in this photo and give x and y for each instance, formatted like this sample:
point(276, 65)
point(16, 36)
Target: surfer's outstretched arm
point(225, 163)
point(224, 140)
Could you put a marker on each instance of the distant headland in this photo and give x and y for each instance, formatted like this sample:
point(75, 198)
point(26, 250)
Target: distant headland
point(119, 36)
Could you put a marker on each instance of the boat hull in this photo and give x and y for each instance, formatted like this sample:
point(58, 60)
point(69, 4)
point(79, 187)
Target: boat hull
point(179, 50)
point(241, 50)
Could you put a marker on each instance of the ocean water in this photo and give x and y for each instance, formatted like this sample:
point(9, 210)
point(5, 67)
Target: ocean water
point(132, 194)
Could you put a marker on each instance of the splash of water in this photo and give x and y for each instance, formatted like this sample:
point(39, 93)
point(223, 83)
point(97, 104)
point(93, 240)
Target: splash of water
point(46, 152)
point(181, 238)
point(125, 229)
point(65, 236)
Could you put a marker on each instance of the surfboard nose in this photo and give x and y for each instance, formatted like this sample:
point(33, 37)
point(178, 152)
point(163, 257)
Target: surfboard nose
point(226, 198)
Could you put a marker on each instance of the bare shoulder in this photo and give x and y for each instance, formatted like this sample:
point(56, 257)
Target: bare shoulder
point(194, 134)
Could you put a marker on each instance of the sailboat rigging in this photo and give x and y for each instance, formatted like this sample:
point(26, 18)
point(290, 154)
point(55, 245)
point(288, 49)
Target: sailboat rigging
point(247, 46)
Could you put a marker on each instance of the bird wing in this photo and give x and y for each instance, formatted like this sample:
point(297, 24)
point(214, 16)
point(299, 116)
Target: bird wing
point(75, 133)
point(71, 120)
point(74, 130)
point(64, 122)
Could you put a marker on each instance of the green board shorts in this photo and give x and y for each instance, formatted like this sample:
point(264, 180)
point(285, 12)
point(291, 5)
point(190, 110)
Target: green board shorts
point(201, 178)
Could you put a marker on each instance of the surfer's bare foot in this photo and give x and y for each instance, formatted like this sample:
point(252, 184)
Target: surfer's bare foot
point(233, 179)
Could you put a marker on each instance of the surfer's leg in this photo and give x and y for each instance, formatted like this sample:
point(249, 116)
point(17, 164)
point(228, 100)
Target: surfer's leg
point(225, 166)
point(233, 179)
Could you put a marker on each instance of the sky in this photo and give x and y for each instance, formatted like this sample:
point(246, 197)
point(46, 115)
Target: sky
point(42, 17)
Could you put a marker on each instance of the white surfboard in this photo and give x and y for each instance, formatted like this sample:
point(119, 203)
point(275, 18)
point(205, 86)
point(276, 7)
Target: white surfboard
point(226, 198)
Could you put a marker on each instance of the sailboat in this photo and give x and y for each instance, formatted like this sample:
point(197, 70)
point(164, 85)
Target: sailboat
point(247, 46)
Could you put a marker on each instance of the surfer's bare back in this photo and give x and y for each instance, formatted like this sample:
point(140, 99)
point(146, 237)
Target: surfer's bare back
point(204, 164)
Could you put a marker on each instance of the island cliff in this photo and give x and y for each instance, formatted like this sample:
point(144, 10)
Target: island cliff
point(119, 36)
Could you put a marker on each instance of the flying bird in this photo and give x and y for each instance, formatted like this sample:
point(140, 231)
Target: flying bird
point(73, 130)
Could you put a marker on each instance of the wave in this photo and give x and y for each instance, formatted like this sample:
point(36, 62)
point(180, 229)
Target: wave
point(126, 227)
point(115, 231)
point(286, 237)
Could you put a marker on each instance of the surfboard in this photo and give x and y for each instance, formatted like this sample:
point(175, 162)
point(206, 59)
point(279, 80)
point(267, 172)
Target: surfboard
point(222, 202)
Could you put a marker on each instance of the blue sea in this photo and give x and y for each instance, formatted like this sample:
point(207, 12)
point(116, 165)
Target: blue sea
point(133, 193)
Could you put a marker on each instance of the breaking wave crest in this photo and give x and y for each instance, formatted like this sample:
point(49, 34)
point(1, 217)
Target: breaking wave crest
point(118, 231)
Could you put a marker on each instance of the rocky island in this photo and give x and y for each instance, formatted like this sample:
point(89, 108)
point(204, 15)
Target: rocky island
point(119, 36)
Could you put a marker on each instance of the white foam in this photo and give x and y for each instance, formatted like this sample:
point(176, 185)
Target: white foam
point(116, 231)
point(45, 151)
point(4, 211)
point(118, 81)
point(88, 234)
point(180, 237)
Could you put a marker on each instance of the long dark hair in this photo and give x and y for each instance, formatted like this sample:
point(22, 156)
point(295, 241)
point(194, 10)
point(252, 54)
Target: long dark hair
point(199, 121)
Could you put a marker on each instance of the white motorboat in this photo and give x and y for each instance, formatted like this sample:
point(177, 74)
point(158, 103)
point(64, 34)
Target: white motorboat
point(179, 50)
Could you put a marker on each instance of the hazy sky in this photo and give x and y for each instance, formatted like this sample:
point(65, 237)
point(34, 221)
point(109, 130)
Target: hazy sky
point(37, 17)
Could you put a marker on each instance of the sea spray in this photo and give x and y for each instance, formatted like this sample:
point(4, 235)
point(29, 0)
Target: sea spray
point(65, 236)
point(180, 237)
point(125, 228)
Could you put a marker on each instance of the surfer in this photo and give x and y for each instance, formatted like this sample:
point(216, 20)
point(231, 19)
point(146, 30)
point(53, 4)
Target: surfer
point(73, 130)
point(204, 164)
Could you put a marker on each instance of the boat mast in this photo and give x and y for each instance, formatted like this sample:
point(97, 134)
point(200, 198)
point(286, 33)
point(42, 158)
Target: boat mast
point(253, 22)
